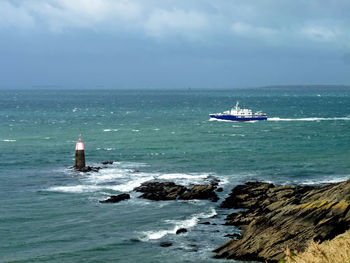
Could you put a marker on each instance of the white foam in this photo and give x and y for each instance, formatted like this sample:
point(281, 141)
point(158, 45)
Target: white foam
point(107, 130)
point(8, 140)
point(184, 179)
point(83, 188)
point(75, 188)
point(220, 120)
point(130, 185)
point(310, 119)
point(187, 223)
point(105, 175)
point(135, 130)
point(182, 176)
point(121, 177)
point(109, 149)
point(325, 181)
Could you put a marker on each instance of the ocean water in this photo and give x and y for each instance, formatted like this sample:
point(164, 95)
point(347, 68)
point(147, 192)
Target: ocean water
point(49, 213)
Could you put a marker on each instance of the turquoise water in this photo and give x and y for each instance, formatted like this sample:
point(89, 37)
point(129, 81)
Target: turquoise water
point(49, 213)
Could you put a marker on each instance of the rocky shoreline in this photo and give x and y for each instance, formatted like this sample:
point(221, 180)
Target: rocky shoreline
point(284, 216)
point(271, 218)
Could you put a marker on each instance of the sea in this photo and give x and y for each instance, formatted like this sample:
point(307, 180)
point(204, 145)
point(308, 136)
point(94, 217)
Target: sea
point(51, 213)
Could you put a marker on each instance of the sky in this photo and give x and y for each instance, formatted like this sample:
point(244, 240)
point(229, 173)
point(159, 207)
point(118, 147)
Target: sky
point(173, 43)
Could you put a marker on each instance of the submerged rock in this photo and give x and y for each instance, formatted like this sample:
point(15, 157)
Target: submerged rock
point(220, 189)
point(116, 198)
point(181, 230)
point(170, 191)
point(86, 169)
point(166, 244)
point(285, 216)
point(108, 162)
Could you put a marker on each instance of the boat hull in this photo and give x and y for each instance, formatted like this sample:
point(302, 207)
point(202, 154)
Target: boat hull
point(235, 118)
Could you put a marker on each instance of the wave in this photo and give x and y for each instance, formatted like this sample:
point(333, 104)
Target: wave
point(8, 140)
point(186, 179)
point(311, 119)
point(187, 223)
point(109, 130)
point(220, 120)
point(109, 149)
point(234, 135)
point(74, 188)
point(183, 176)
point(124, 177)
point(130, 185)
point(325, 181)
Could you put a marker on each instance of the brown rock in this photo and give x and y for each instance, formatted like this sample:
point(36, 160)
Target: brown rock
point(284, 216)
point(116, 198)
point(200, 192)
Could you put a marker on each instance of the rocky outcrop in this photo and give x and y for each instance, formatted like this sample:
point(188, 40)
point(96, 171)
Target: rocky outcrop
point(285, 216)
point(200, 192)
point(170, 191)
point(86, 169)
point(116, 198)
point(107, 162)
point(160, 190)
point(180, 231)
point(166, 244)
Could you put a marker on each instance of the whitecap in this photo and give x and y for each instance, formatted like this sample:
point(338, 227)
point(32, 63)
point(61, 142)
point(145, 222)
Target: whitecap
point(107, 130)
point(109, 149)
point(74, 188)
point(135, 130)
point(8, 140)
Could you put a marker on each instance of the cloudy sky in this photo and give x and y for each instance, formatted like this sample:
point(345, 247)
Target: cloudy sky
point(173, 43)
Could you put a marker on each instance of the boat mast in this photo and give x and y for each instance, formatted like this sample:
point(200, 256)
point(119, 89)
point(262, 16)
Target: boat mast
point(237, 103)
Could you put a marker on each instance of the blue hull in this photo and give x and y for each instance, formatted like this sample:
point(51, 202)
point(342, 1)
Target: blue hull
point(235, 118)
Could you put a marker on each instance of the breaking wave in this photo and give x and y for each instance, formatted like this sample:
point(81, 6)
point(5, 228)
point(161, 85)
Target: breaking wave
point(124, 177)
point(177, 224)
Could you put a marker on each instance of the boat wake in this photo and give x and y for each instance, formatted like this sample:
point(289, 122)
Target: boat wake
point(310, 119)
point(177, 224)
point(220, 120)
